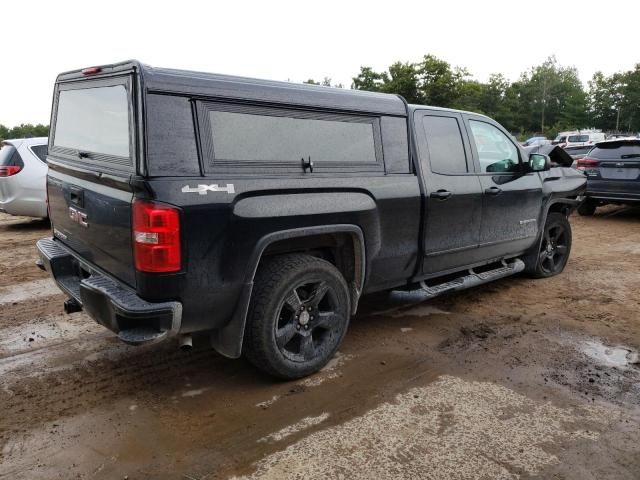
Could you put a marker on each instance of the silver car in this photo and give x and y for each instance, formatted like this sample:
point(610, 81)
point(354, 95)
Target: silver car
point(23, 177)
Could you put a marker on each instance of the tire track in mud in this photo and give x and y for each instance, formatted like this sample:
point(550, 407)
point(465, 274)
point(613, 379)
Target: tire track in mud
point(67, 380)
point(30, 311)
point(16, 340)
point(27, 291)
point(21, 269)
point(18, 236)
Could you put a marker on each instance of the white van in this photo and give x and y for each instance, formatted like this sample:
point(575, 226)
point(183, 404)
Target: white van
point(579, 138)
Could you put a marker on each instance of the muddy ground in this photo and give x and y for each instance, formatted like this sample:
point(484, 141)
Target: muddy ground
point(516, 379)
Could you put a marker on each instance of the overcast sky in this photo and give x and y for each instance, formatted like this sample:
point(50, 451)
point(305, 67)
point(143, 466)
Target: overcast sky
point(303, 39)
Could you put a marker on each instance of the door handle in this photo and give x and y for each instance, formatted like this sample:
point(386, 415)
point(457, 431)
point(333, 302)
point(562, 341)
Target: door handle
point(76, 196)
point(441, 194)
point(493, 191)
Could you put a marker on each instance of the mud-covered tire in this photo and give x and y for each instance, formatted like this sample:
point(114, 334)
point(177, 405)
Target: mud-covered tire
point(298, 316)
point(587, 208)
point(551, 255)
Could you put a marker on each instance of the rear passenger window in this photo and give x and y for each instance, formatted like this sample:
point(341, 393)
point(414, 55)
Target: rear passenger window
point(40, 151)
point(444, 141)
point(280, 137)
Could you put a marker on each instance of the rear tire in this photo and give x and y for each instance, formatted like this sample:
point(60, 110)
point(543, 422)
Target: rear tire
point(587, 208)
point(298, 316)
point(551, 256)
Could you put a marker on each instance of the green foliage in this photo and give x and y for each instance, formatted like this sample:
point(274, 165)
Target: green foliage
point(544, 100)
point(25, 130)
point(614, 100)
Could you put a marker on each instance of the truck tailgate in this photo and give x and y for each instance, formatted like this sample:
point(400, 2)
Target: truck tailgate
point(94, 220)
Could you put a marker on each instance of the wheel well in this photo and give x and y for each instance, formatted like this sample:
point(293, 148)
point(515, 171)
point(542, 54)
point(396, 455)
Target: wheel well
point(342, 249)
point(560, 207)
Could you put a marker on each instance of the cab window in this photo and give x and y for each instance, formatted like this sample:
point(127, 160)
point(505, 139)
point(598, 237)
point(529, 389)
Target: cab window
point(444, 142)
point(496, 152)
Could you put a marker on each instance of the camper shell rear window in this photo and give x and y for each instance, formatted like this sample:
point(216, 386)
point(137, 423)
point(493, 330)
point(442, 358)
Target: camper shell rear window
point(93, 123)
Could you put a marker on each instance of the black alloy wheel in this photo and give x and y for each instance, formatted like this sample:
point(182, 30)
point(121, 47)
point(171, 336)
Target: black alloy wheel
point(551, 256)
point(308, 320)
point(299, 313)
point(554, 249)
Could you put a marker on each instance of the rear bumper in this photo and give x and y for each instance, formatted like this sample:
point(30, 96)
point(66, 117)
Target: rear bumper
point(106, 300)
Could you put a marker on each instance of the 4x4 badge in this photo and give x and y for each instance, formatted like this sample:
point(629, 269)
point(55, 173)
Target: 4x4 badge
point(203, 189)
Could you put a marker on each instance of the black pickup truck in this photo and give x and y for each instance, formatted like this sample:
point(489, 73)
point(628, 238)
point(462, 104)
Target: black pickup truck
point(259, 212)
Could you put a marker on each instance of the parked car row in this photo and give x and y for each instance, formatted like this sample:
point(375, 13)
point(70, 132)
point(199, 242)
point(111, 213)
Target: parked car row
point(23, 177)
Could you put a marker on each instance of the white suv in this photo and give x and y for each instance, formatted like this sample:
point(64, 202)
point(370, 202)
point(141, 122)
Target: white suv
point(23, 177)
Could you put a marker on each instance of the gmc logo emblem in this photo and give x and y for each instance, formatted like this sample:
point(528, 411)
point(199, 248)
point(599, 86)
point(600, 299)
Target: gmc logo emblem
point(79, 217)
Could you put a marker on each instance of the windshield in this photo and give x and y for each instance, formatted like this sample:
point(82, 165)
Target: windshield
point(94, 120)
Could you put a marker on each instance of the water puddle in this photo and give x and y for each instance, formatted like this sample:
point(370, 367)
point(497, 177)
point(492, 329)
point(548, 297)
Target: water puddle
point(621, 357)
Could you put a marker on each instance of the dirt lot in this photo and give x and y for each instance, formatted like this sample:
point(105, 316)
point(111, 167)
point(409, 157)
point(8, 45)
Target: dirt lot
point(516, 379)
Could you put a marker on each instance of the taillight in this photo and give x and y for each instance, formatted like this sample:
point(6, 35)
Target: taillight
point(587, 162)
point(156, 237)
point(9, 170)
point(588, 165)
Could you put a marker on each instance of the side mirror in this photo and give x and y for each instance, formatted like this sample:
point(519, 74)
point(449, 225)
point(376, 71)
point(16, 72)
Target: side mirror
point(539, 162)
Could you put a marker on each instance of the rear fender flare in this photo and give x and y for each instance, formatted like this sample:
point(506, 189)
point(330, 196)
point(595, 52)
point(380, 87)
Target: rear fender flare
point(228, 340)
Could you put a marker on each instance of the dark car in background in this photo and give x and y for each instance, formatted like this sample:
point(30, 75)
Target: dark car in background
point(613, 174)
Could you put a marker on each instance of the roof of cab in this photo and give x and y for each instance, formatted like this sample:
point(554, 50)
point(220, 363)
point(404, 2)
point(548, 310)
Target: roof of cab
point(202, 84)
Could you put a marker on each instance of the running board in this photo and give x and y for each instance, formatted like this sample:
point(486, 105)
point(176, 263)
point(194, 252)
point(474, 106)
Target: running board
point(473, 279)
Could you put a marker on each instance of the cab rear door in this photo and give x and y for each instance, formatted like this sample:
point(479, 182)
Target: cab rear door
point(453, 198)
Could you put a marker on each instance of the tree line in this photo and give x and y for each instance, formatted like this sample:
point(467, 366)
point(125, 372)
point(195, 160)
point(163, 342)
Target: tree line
point(26, 130)
point(546, 99)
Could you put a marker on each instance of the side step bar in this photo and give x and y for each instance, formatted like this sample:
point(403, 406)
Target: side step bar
point(473, 279)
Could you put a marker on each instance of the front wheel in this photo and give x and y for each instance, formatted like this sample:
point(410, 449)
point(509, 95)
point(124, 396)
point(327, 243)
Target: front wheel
point(555, 247)
point(299, 314)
